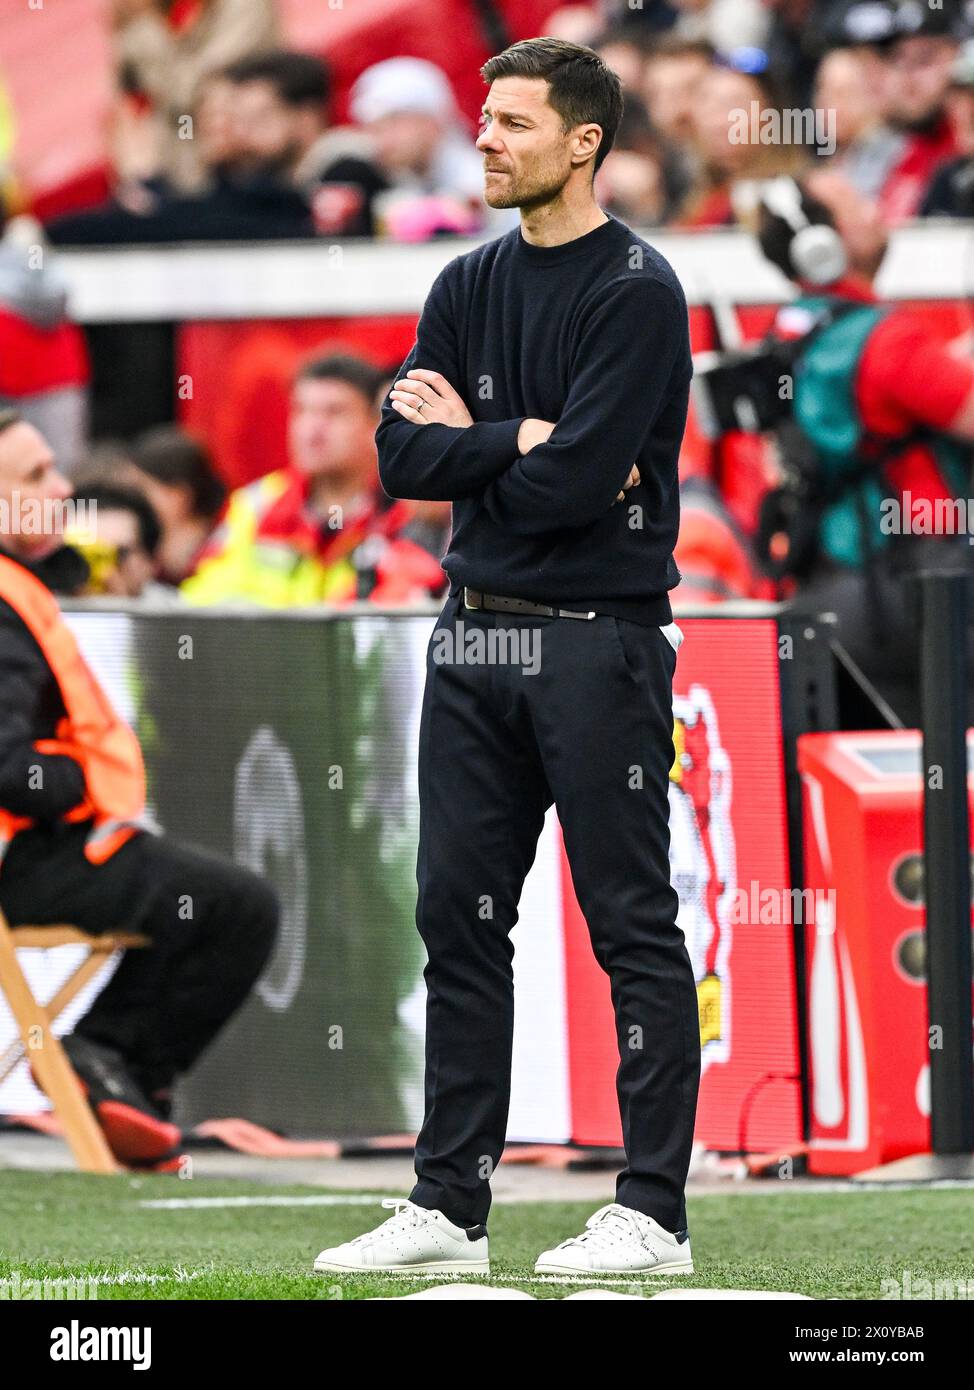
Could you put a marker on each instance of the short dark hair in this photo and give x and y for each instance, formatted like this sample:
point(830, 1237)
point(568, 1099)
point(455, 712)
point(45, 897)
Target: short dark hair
point(105, 461)
point(581, 85)
point(625, 31)
point(299, 79)
point(108, 497)
point(775, 233)
point(175, 459)
point(8, 417)
point(670, 45)
point(364, 376)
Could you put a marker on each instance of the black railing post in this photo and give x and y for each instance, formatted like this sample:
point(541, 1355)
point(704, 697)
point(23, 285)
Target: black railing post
point(947, 866)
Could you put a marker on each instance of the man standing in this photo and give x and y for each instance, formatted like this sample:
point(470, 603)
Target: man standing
point(546, 397)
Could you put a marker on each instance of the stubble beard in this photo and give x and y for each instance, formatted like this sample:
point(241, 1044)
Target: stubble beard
point(509, 191)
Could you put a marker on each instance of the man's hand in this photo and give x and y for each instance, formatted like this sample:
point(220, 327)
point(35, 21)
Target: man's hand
point(427, 398)
point(532, 432)
point(631, 481)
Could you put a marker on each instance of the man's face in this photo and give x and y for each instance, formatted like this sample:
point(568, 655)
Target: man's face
point(723, 94)
point(171, 502)
point(670, 91)
point(528, 157)
point(28, 480)
point(405, 141)
point(120, 564)
point(216, 128)
point(842, 85)
point(331, 430)
point(920, 70)
point(264, 129)
point(857, 219)
point(626, 61)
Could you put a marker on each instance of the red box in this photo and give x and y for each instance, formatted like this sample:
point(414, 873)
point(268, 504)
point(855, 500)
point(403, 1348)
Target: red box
point(867, 1000)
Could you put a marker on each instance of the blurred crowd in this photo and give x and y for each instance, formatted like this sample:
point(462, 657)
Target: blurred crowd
point(220, 132)
point(158, 523)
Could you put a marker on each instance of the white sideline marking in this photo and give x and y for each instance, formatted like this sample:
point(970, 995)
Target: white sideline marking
point(179, 1203)
point(580, 1280)
point(773, 1189)
point(134, 1276)
point(577, 1281)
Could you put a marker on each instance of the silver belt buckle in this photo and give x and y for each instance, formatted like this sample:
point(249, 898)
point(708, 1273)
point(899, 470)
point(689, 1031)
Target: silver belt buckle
point(466, 599)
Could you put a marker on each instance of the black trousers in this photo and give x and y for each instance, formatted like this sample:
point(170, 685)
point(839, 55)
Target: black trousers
point(212, 924)
point(584, 720)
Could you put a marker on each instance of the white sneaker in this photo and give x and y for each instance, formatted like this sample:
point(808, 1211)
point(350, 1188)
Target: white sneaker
point(618, 1239)
point(412, 1241)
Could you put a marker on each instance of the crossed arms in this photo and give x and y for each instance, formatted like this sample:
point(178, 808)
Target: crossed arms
point(535, 475)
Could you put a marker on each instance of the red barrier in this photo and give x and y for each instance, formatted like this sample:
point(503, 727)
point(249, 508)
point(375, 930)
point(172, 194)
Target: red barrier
point(728, 853)
point(863, 826)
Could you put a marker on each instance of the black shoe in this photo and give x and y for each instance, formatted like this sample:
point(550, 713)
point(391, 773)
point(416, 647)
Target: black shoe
point(135, 1130)
point(159, 1084)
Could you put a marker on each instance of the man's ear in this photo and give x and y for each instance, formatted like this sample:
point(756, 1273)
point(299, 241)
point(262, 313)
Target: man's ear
point(585, 142)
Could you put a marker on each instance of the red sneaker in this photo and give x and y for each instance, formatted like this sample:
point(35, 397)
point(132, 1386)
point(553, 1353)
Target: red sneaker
point(136, 1133)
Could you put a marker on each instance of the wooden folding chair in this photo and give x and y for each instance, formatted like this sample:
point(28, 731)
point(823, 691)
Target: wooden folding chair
point(35, 1023)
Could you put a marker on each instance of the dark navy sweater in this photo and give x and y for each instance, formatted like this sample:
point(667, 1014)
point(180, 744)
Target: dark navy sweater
point(592, 335)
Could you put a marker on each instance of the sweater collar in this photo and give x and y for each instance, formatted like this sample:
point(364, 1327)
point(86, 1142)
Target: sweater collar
point(590, 243)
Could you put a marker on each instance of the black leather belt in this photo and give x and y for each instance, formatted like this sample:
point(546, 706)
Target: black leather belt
point(499, 603)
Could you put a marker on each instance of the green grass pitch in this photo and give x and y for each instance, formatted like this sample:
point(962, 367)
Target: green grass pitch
point(829, 1245)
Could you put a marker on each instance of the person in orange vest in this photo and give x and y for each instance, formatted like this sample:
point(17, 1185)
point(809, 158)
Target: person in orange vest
point(74, 845)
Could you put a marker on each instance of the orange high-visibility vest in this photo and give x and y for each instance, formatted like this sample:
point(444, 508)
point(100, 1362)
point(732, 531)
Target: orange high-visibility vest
point(91, 732)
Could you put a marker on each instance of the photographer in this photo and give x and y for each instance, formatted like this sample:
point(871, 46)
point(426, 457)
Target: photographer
point(880, 413)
